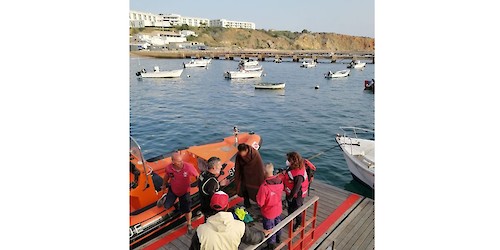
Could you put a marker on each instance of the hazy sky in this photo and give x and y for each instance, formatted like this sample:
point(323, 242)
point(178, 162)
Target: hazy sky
point(350, 17)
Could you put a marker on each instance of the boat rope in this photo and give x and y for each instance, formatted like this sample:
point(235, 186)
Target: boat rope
point(322, 152)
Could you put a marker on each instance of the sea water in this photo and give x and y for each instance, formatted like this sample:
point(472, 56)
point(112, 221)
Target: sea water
point(202, 107)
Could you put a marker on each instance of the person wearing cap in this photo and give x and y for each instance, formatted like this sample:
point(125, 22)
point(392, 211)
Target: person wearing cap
point(209, 184)
point(222, 231)
point(178, 174)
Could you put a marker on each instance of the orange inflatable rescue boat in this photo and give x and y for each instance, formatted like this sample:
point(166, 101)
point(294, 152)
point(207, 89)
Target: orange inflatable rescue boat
point(146, 219)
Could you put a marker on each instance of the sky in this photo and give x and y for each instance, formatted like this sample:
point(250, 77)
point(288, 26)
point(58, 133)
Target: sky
point(349, 17)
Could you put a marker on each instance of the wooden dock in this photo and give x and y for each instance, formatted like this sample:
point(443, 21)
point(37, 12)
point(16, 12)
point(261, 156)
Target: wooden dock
point(344, 221)
point(261, 55)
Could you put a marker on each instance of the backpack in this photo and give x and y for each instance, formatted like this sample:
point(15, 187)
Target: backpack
point(310, 169)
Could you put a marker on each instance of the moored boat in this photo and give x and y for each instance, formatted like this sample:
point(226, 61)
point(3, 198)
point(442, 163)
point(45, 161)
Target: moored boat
point(356, 64)
point(146, 218)
point(243, 74)
point(159, 74)
point(358, 153)
point(308, 64)
point(337, 74)
point(197, 63)
point(246, 63)
point(370, 85)
point(270, 85)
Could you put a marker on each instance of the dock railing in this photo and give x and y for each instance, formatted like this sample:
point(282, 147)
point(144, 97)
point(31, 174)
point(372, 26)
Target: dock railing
point(305, 237)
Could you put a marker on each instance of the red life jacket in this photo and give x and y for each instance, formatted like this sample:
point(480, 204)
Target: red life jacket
point(289, 181)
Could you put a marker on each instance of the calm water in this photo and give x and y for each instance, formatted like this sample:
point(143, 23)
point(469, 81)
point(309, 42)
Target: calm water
point(167, 114)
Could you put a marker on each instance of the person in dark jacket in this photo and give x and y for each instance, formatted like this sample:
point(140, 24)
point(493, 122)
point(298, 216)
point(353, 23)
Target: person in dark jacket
point(248, 173)
point(222, 231)
point(208, 184)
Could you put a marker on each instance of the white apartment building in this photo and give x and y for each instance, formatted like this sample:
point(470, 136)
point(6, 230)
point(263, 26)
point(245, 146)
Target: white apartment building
point(143, 19)
point(172, 19)
point(231, 24)
point(195, 21)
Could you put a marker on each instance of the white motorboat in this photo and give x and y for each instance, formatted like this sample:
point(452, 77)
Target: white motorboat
point(270, 85)
point(251, 67)
point(337, 74)
point(356, 64)
point(159, 74)
point(197, 63)
point(359, 154)
point(247, 63)
point(308, 64)
point(243, 74)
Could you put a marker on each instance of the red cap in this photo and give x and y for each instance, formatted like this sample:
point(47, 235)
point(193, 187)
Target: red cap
point(219, 201)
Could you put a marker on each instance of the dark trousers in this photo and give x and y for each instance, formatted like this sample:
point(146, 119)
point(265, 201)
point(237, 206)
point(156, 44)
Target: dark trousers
point(270, 223)
point(294, 205)
point(246, 198)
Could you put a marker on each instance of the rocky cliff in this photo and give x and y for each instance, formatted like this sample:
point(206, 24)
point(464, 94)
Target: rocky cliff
point(281, 40)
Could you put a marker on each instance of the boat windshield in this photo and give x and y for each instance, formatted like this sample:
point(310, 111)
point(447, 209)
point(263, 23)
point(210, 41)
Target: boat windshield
point(135, 151)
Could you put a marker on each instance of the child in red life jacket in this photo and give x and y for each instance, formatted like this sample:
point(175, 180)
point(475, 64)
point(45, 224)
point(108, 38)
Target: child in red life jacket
point(269, 201)
point(296, 184)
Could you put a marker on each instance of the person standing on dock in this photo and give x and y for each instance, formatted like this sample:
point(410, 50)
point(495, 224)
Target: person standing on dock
point(178, 174)
point(249, 173)
point(208, 184)
point(296, 184)
point(269, 200)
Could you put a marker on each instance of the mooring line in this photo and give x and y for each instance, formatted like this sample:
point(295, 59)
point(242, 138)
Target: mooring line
point(322, 152)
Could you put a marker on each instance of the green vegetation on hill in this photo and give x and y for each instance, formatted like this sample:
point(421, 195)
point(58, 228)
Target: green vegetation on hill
point(274, 39)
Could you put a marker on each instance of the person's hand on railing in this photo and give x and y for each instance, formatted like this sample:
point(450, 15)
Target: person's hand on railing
point(267, 232)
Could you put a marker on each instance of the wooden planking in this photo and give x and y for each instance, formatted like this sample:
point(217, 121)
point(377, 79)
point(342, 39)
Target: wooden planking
point(330, 198)
point(334, 236)
point(369, 244)
point(356, 231)
point(365, 231)
point(351, 229)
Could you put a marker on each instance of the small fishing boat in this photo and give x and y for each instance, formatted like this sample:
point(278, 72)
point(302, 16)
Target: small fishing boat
point(370, 85)
point(243, 74)
point(356, 64)
point(337, 74)
point(308, 64)
point(197, 63)
point(246, 63)
point(270, 85)
point(358, 153)
point(159, 74)
point(146, 218)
